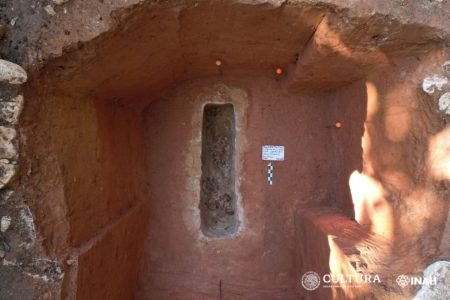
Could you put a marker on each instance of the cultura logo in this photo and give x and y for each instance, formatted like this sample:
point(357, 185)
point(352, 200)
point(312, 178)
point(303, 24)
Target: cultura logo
point(402, 280)
point(310, 281)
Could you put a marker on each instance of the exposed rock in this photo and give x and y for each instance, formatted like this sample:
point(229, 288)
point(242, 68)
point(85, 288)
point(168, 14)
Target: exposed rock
point(28, 220)
point(5, 223)
point(13, 21)
point(433, 82)
point(11, 110)
point(5, 194)
point(446, 68)
point(49, 9)
point(444, 103)
point(44, 269)
point(441, 290)
point(60, 2)
point(12, 73)
point(7, 149)
point(7, 171)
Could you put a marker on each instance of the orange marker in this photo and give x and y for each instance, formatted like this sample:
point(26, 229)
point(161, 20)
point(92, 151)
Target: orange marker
point(338, 125)
point(278, 71)
point(218, 62)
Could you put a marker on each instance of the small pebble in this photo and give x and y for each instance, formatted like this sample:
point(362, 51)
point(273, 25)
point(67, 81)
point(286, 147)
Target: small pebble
point(49, 9)
point(13, 21)
point(5, 223)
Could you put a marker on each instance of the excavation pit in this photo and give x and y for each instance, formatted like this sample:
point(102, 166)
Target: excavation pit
point(145, 153)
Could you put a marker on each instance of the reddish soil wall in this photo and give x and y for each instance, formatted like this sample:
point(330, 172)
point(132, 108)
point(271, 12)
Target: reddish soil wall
point(259, 263)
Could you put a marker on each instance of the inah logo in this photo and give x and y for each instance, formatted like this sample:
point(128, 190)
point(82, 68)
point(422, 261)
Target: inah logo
point(310, 281)
point(402, 280)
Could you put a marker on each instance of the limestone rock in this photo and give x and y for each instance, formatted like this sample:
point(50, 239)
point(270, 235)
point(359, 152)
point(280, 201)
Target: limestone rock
point(5, 194)
point(7, 172)
point(59, 2)
point(446, 68)
point(431, 83)
point(44, 269)
point(7, 149)
point(13, 21)
point(49, 9)
point(28, 221)
point(5, 223)
point(11, 110)
point(12, 73)
point(444, 103)
point(441, 290)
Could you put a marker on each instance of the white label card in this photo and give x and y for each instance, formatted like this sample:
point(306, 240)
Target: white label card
point(270, 152)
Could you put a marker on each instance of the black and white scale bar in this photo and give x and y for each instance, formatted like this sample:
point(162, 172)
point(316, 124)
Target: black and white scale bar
point(270, 173)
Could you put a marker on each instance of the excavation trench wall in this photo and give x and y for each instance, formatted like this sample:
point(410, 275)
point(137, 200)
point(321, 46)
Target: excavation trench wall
point(263, 248)
point(134, 169)
point(111, 148)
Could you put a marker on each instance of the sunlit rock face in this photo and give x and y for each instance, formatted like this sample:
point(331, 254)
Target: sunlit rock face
point(438, 274)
